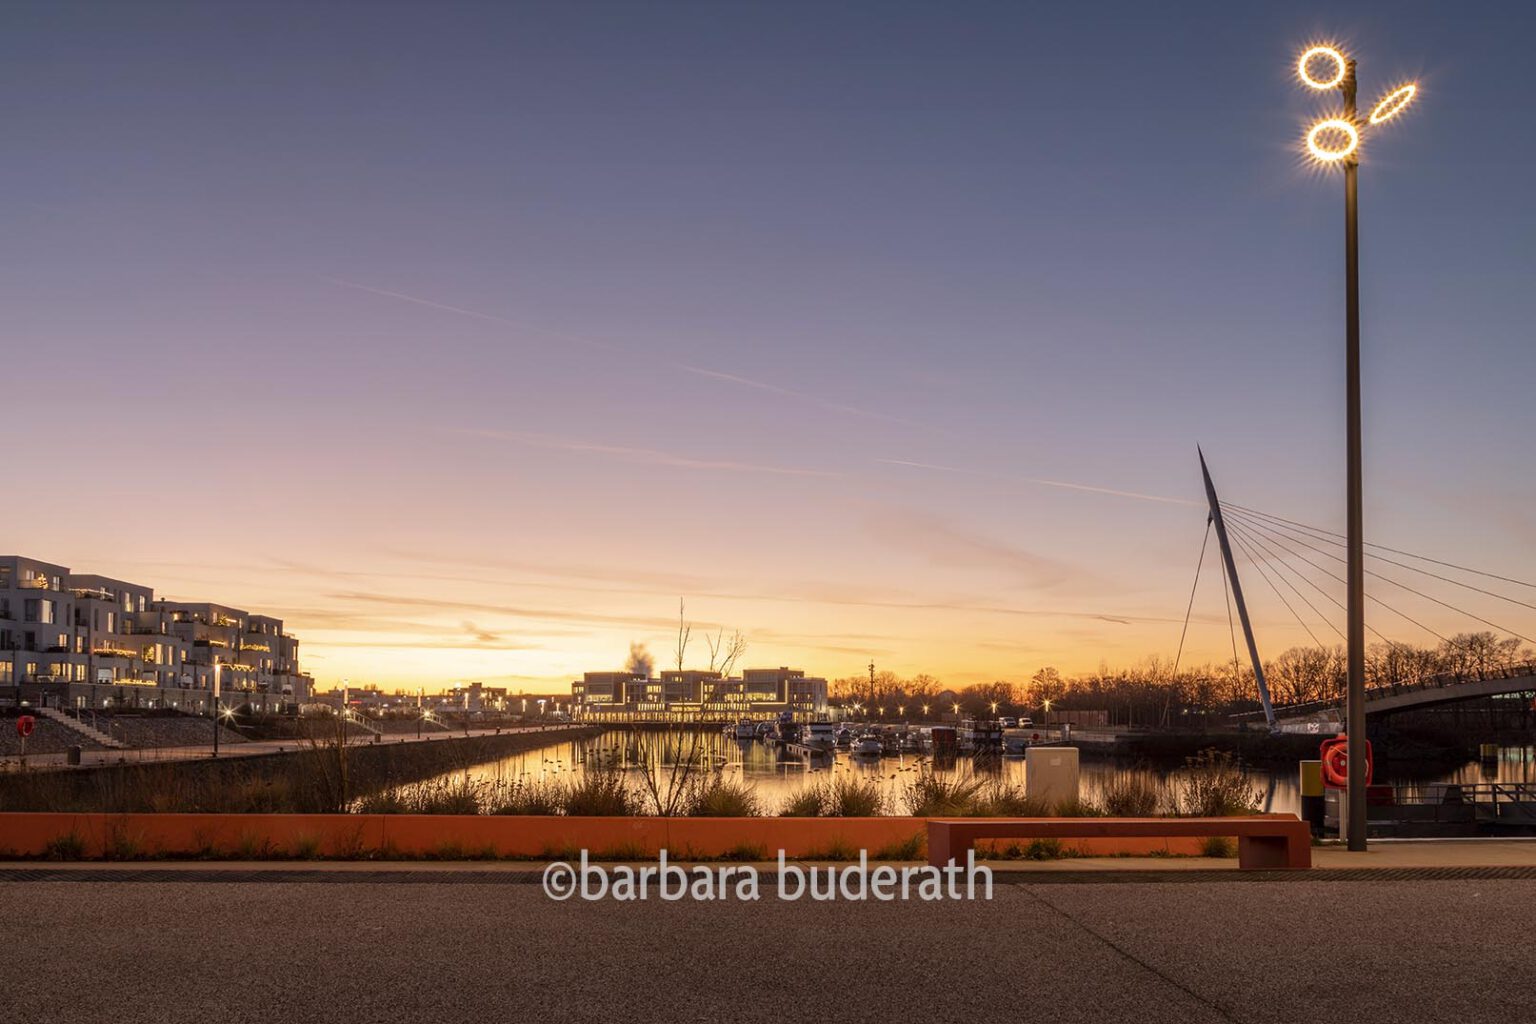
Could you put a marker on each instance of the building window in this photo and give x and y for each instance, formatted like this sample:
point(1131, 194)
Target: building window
point(38, 610)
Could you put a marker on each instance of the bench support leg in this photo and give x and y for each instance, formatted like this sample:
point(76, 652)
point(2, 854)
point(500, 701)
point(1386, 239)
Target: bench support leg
point(1273, 853)
point(943, 846)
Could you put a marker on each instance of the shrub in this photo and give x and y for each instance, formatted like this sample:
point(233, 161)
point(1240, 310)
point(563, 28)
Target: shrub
point(1046, 849)
point(1218, 846)
point(1130, 795)
point(998, 799)
point(306, 846)
point(601, 792)
point(837, 851)
point(930, 796)
point(1215, 784)
point(460, 795)
point(524, 795)
point(69, 846)
point(910, 848)
point(1077, 807)
point(119, 845)
point(848, 797)
point(807, 802)
point(723, 798)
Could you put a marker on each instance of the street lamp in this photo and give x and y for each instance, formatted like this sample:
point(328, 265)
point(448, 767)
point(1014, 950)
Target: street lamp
point(216, 668)
point(1336, 140)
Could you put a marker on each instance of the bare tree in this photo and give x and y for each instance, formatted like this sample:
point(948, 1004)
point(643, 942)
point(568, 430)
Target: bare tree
point(723, 652)
point(684, 634)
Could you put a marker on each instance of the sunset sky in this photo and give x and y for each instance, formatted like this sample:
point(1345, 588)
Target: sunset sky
point(468, 338)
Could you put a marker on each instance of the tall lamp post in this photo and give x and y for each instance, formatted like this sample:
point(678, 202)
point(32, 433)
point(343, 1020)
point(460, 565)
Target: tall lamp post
point(1336, 140)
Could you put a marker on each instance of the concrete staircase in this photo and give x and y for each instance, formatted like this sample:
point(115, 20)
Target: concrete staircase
point(80, 728)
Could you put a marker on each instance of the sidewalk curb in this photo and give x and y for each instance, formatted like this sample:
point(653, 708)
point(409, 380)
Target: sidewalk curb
point(480, 876)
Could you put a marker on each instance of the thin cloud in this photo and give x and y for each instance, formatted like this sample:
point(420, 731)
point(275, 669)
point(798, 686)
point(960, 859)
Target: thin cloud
point(472, 313)
point(1039, 481)
point(943, 543)
point(728, 378)
point(774, 389)
point(645, 456)
point(812, 593)
point(424, 604)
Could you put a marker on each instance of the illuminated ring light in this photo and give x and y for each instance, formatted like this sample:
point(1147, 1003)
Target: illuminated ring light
point(1393, 103)
point(1321, 51)
point(1326, 154)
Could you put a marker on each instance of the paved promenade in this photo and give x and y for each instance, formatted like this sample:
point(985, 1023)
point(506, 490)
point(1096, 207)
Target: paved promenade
point(1182, 952)
point(92, 758)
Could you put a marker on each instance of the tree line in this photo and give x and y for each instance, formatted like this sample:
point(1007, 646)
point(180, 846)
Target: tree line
point(1155, 693)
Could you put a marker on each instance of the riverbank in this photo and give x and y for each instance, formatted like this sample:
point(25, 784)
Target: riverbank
point(311, 776)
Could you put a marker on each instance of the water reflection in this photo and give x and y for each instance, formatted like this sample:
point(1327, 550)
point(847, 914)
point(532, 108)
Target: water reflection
point(776, 776)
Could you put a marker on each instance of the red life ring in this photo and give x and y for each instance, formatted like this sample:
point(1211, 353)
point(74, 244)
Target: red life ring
point(1335, 758)
point(24, 726)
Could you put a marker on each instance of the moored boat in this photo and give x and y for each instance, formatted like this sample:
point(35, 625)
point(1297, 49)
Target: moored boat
point(867, 745)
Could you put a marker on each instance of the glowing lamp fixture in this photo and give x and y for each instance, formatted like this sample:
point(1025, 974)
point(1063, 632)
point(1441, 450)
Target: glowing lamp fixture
point(1393, 103)
point(1333, 139)
point(1326, 56)
point(1337, 138)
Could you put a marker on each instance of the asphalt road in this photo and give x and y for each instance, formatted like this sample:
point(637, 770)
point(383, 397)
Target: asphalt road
point(1187, 952)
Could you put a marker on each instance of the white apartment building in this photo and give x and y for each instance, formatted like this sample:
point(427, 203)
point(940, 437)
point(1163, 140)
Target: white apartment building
point(699, 695)
point(82, 640)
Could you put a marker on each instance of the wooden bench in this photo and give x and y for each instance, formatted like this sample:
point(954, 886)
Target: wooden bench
point(1265, 842)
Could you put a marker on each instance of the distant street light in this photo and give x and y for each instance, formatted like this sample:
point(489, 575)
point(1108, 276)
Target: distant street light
point(1337, 140)
point(215, 716)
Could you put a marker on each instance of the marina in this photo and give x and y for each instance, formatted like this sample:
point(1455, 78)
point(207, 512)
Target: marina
point(776, 772)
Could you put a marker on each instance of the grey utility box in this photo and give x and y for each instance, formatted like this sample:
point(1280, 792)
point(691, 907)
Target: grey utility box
point(1050, 774)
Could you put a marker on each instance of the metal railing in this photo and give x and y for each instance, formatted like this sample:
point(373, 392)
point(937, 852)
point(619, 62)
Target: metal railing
point(1438, 681)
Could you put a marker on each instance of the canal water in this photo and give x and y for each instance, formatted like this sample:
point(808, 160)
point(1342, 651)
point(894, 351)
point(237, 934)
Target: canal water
point(775, 778)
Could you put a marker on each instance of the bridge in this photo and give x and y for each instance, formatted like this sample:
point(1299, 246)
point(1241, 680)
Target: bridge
point(1294, 560)
point(1443, 688)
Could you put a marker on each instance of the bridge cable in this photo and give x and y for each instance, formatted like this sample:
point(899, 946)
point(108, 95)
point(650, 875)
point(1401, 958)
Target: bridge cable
point(1340, 579)
point(1411, 590)
point(1254, 561)
point(1226, 590)
point(1190, 609)
point(1237, 526)
point(1383, 547)
point(1278, 563)
point(1328, 539)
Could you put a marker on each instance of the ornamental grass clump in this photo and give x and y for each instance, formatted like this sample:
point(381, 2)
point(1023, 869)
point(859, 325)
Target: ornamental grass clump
point(719, 797)
point(1131, 795)
point(525, 795)
point(601, 792)
point(1215, 784)
point(934, 796)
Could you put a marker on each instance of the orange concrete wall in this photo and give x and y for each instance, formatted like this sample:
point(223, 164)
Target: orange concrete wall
point(253, 836)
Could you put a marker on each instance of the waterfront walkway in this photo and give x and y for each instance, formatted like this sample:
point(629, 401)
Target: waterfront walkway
point(1188, 952)
point(256, 748)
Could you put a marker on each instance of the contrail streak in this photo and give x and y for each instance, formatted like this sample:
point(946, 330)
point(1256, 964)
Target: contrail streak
point(1039, 481)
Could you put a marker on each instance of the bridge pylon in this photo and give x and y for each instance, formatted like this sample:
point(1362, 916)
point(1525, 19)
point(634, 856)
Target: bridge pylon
point(1237, 592)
